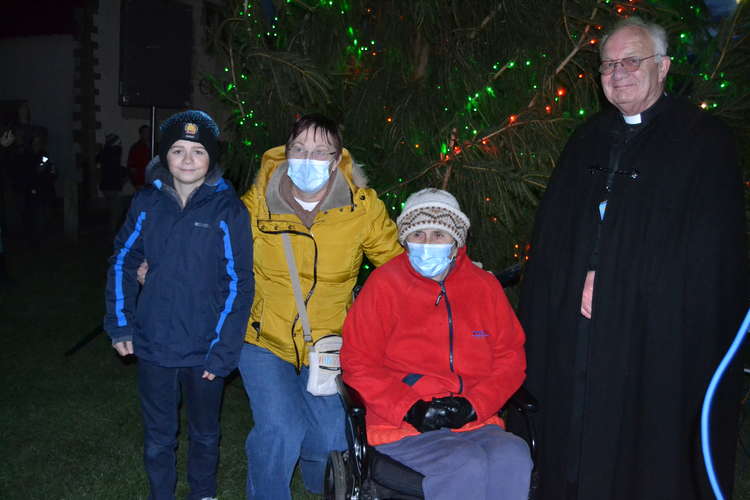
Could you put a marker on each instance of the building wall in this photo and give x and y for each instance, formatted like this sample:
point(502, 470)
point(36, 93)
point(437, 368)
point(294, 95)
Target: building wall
point(125, 121)
point(40, 70)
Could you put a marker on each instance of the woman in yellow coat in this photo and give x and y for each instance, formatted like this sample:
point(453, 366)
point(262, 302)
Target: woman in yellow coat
point(310, 193)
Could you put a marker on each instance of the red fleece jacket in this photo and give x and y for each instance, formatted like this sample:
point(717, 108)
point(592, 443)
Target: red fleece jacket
point(400, 346)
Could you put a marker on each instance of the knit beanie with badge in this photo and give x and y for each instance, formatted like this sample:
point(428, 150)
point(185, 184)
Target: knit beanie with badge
point(191, 125)
point(433, 208)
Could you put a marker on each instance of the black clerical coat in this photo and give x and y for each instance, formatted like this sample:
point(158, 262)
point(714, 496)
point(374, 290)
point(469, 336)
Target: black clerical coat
point(621, 393)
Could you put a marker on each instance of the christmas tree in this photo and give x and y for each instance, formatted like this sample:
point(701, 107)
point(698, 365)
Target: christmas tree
point(474, 96)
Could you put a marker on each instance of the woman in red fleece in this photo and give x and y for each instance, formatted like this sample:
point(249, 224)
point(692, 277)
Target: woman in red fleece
point(435, 350)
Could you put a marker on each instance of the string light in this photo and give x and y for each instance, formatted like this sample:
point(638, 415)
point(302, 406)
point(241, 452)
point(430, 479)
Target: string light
point(482, 109)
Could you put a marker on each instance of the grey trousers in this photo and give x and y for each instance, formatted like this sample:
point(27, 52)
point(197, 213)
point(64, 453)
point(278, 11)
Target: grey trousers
point(487, 463)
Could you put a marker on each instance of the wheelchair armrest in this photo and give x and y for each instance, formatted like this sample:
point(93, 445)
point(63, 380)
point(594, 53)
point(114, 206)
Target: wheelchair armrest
point(510, 276)
point(352, 401)
point(523, 401)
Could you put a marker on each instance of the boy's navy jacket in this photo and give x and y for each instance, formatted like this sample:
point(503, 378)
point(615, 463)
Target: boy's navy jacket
point(194, 305)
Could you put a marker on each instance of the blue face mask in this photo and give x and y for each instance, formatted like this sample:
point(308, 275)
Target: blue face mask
point(308, 175)
point(429, 259)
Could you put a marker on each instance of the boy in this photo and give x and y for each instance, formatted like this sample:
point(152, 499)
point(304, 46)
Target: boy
point(186, 325)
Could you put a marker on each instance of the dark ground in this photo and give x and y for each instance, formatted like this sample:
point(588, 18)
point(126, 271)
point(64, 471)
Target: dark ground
point(70, 425)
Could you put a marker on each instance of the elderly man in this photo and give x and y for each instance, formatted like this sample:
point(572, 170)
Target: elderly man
point(636, 284)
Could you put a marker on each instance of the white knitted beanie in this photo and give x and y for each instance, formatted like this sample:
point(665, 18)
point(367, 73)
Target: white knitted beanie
point(433, 208)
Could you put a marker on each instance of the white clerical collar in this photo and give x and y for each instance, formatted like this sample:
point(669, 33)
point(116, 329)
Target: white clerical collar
point(632, 119)
point(307, 205)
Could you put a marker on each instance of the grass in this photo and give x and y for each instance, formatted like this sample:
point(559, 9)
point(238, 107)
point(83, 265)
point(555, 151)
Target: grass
point(70, 427)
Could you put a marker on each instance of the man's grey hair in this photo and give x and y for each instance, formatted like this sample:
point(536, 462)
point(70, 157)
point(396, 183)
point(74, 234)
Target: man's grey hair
point(657, 33)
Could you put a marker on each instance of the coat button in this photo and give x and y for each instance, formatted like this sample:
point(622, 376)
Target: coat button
point(290, 227)
point(275, 228)
point(362, 197)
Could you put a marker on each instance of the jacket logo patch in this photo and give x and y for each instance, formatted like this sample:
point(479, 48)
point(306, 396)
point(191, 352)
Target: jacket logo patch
point(202, 224)
point(479, 333)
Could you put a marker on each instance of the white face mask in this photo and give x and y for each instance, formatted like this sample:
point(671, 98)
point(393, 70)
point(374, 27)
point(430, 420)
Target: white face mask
point(430, 259)
point(307, 174)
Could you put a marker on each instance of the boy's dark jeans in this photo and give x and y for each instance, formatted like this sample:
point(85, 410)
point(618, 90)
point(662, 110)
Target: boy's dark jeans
point(160, 389)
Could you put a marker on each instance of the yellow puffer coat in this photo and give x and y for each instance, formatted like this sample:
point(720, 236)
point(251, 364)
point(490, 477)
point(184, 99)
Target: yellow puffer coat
point(352, 222)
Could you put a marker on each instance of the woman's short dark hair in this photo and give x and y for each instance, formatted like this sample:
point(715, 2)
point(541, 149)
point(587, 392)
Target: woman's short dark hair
point(318, 122)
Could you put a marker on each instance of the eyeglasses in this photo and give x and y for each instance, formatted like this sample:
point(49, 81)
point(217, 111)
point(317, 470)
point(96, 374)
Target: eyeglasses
point(298, 152)
point(629, 64)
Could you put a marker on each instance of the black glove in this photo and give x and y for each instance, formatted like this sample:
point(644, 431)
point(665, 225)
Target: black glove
point(450, 412)
point(454, 412)
point(415, 415)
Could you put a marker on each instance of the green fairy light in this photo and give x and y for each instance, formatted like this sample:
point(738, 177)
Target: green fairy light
point(528, 62)
point(724, 84)
point(226, 70)
point(511, 64)
point(491, 91)
point(444, 148)
point(230, 87)
point(400, 179)
point(474, 131)
point(247, 142)
point(403, 204)
point(581, 112)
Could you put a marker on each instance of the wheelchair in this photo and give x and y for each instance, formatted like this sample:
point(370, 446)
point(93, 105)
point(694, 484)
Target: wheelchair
point(363, 473)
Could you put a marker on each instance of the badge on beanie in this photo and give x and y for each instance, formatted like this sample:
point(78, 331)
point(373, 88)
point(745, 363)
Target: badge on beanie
point(191, 130)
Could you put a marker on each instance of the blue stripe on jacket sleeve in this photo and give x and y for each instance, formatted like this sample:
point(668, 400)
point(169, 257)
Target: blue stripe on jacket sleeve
point(229, 255)
point(119, 295)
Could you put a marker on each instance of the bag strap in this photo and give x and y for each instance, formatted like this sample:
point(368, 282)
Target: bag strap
point(296, 287)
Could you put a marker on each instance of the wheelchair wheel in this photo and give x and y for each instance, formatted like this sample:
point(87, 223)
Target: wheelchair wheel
point(335, 479)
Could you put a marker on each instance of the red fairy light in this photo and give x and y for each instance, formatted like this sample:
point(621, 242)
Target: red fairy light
point(512, 118)
point(561, 91)
point(548, 109)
